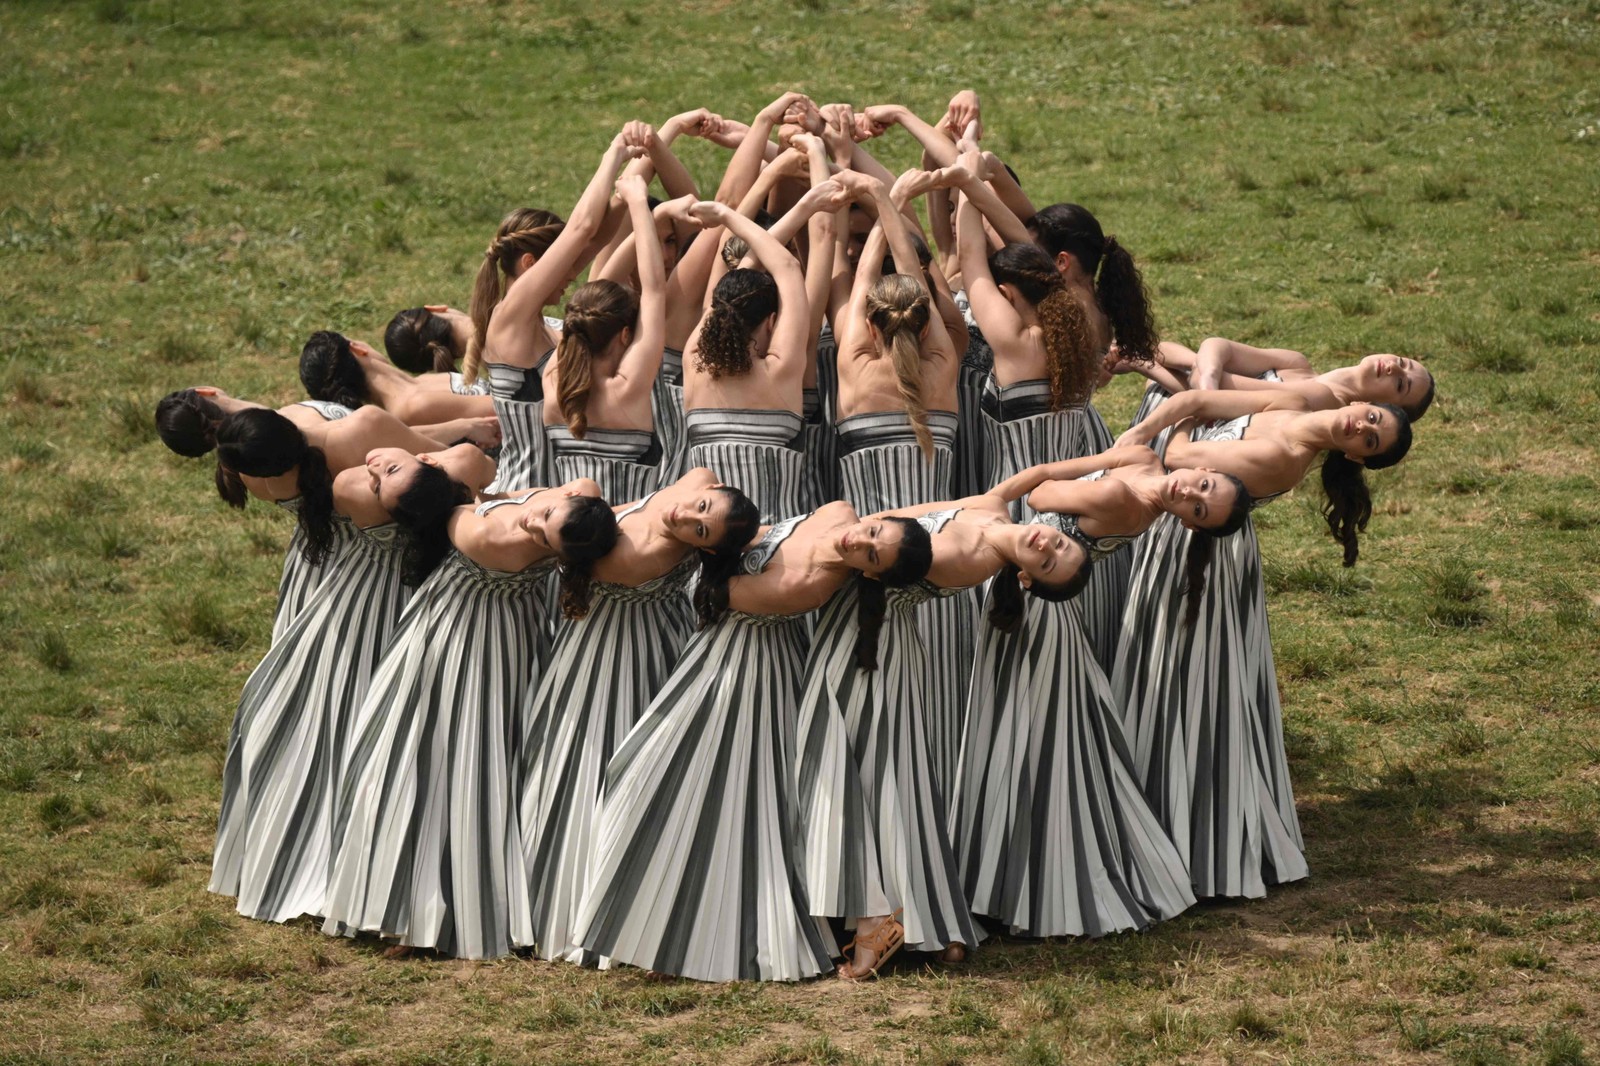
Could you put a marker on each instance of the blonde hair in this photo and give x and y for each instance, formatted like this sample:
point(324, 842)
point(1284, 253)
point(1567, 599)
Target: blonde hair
point(527, 231)
point(596, 313)
point(899, 308)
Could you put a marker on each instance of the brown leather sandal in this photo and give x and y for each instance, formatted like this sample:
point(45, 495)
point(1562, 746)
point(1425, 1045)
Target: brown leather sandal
point(885, 940)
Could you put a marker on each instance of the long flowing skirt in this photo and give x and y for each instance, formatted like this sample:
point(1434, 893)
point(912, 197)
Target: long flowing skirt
point(697, 865)
point(1055, 835)
point(1202, 709)
point(286, 749)
point(428, 847)
point(604, 671)
point(300, 579)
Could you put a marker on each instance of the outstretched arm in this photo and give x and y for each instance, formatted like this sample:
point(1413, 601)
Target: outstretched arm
point(1025, 481)
point(1210, 405)
point(1218, 355)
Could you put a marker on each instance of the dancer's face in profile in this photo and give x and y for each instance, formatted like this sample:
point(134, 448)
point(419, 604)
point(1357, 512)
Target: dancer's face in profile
point(1199, 498)
point(1362, 429)
point(872, 546)
point(1393, 379)
point(1049, 556)
point(700, 519)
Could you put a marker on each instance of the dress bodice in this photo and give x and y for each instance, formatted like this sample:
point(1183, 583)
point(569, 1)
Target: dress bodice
point(522, 383)
point(757, 556)
point(327, 409)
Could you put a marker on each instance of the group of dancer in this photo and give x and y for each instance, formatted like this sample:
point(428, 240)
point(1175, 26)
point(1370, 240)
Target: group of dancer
point(786, 600)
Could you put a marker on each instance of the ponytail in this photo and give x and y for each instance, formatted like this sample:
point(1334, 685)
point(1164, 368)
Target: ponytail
point(525, 231)
point(423, 511)
point(1005, 599)
point(1073, 360)
point(1349, 503)
point(330, 371)
point(899, 309)
point(1119, 291)
point(1197, 557)
point(743, 299)
point(911, 565)
point(418, 341)
point(262, 443)
point(595, 315)
point(1118, 286)
point(588, 534)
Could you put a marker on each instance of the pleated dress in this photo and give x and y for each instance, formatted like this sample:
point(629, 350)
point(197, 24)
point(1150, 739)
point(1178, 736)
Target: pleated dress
point(1023, 431)
point(759, 452)
point(518, 392)
point(1056, 837)
point(428, 844)
point(972, 384)
point(697, 862)
point(872, 811)
point(1202, 709)
point(604, 670)
point(300, 579)
point(287, 746)
point(666, 403)
point(821, 415)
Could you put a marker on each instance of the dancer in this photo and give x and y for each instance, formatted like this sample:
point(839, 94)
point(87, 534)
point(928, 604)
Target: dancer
point(696, 870)
point(1203, 710)
point(604, 671)
point(352, 373)
point(427, 843)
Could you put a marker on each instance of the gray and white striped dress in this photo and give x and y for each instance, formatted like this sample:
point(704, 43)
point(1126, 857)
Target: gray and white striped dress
point(604, 670)
point(881, 469)
point(1203, 712)
point(666, 404)
point(518, 392)
point(300, 579)
point(873, 723)
point(428, 845)
point(286, 750)
point(755, 451)
point(1024, 431)
point(697, 864)
point(972, 383)
point(1054, 832)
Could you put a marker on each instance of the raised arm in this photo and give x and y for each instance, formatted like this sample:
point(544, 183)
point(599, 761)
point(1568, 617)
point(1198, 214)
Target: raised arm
point(642, 359)
point(999, 321)
point(536, 287)
point(939, 148)
point(968, 176)
point(747, 158)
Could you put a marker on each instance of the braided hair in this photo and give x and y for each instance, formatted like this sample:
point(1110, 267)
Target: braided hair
point(596, 313)
point(187, 422)
point(899, 308)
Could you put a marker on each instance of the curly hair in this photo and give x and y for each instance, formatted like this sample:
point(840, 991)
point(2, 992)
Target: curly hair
point(596, 313)
point(525, 231)
point(743, 299)
point(1070, 352)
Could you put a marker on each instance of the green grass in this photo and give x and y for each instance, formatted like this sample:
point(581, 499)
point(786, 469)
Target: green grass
point(193, 188)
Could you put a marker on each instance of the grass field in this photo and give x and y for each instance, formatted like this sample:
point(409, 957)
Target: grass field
point(188, 189)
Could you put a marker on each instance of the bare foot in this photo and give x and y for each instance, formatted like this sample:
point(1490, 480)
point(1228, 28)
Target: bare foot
point(953, 953)
point(398, 951)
